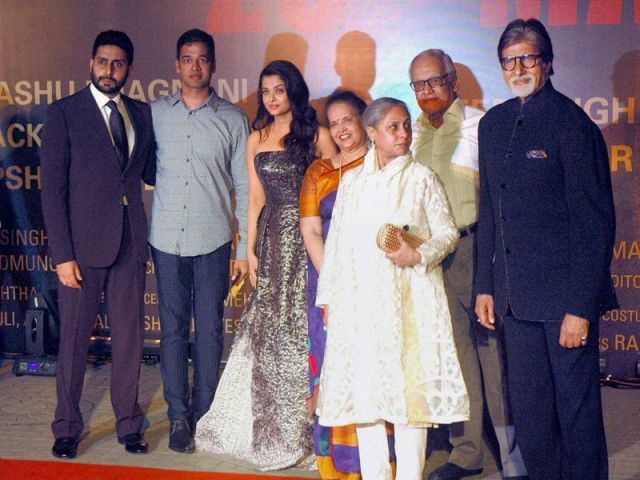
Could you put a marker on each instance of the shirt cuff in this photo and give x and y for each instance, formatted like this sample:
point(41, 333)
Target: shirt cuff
point(241, 251)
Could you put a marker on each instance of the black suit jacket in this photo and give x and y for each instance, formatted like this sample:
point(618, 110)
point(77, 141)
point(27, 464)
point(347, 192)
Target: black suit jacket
point(83, 187)
point(546, 222)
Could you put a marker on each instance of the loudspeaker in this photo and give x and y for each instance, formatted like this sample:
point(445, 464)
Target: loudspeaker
point(38, 334)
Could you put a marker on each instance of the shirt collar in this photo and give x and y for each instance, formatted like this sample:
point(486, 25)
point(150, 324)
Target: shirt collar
point(213, 100)
point(538, 101)
point(102, 99)
point(371, 167)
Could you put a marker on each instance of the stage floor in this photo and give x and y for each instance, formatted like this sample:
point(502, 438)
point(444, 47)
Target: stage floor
point(27, 404)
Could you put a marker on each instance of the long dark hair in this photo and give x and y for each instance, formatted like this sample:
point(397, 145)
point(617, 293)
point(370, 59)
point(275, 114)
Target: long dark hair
point(300, 141)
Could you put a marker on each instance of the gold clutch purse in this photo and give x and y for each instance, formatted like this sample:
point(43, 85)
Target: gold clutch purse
point(387, 240)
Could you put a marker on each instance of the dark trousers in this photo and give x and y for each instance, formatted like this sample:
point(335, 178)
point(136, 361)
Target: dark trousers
point(481, 355)
point(123, 285)
point(190, 286)
point(555, 400)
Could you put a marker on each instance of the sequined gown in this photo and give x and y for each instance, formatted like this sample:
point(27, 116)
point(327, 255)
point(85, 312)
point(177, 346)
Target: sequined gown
point(258, 418)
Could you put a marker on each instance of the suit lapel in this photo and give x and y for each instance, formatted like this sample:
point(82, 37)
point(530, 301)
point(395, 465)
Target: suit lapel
point(136, 122)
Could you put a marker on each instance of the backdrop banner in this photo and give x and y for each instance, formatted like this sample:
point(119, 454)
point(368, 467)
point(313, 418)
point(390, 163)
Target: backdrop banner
point(361, 45)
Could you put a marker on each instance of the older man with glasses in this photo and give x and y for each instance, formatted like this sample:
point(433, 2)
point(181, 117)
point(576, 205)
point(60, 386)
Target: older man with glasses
point(446, 140)
point(546, 231)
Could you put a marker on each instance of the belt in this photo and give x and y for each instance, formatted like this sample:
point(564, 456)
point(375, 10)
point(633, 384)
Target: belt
point(468, 230)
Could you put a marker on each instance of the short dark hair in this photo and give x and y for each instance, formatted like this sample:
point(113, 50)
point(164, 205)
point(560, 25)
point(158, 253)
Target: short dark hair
point(196, 35)
point(531, 31)
point(114, 37)
point(348, 97)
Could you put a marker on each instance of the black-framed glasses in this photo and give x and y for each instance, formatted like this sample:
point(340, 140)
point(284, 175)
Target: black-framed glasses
point(433, 82)
point(528, 60)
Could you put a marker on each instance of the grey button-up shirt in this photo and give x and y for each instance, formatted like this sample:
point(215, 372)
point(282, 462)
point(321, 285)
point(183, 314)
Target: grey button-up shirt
point(200, 162)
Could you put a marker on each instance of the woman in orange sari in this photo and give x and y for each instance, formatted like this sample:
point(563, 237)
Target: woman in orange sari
point(336, 448)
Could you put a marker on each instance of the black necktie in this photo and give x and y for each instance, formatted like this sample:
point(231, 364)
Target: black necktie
point(119, 134)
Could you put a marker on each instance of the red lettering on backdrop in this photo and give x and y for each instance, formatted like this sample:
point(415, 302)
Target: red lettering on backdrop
point(605, 13)
point(495, 13)
point(563, 12)
point(311, 16)
point(529, 8)
point(229, 16)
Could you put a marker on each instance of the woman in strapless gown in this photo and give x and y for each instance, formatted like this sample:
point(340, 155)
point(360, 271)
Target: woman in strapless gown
point(259, 418)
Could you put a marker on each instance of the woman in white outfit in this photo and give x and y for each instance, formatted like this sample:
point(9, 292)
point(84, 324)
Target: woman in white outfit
point(390, 354)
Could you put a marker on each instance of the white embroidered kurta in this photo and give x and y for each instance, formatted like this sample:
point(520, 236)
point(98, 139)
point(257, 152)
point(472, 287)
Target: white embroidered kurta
point(390, 353)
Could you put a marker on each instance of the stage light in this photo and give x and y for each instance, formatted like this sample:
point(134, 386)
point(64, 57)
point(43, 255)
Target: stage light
point(41, 334)
point(38, 366)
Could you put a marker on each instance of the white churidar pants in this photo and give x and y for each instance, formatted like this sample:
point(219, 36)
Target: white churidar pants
point(410, 446)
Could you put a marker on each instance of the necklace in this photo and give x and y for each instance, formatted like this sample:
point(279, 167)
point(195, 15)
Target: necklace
point(341, 158)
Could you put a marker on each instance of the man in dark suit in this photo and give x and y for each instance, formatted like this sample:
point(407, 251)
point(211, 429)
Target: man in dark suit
point(545, 240)
point(97, 147)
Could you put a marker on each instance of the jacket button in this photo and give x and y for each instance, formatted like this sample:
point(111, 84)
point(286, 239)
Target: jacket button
point(503, 186)
point(507, 251)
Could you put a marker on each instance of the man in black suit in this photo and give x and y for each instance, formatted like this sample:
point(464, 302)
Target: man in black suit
point(545, 239)
point(97, 147)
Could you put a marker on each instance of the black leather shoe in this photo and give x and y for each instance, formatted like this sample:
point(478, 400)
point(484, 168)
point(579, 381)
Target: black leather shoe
point(134, 443)
point(451, 471)
point(65, 447)
point(180, 437)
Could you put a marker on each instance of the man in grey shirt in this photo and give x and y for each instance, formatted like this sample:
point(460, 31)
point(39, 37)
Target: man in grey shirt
point(200, 162)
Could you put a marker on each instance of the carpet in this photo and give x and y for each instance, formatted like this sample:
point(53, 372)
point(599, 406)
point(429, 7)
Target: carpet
point(41, 470)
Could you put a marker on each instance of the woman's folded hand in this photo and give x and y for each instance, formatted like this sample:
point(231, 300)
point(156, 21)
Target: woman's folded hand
point(405, 256)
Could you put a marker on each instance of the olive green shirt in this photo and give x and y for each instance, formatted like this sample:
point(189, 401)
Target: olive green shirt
point(452, 152)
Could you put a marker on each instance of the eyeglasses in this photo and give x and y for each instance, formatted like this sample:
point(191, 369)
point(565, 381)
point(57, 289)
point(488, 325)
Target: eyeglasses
point(526, 61)
point(433, 82)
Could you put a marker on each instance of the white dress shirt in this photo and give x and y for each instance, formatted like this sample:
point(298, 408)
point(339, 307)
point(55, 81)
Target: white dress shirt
point(102, 100)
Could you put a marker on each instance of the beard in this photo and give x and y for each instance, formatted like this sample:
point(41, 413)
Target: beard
point(117, 85)
point(526, 90)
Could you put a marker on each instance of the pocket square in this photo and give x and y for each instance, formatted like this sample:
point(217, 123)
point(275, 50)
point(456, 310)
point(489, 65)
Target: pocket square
point(537, 154)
